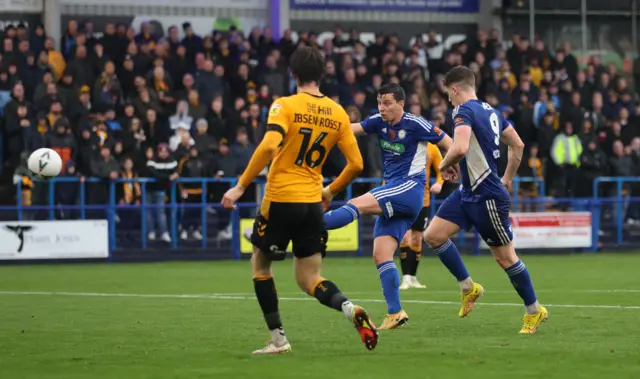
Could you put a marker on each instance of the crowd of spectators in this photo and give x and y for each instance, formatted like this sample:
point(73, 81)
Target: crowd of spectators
point(128, 104)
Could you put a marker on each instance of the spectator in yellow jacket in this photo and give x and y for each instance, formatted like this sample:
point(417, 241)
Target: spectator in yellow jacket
point(56, 59)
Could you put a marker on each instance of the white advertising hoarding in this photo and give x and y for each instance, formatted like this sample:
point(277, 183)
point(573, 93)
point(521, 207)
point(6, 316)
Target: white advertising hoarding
point(243, 4)
point(160, 24)
point(551, 230)
point(54, 239)
point(33, 6)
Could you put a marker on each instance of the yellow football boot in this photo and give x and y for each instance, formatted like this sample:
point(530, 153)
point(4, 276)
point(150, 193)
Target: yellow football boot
point(469, 299)
point(531, 322)
point(395, 320)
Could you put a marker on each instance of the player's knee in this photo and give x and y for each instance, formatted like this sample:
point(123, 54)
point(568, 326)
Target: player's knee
point(366, 204)
point(307, 283)
point(505, 255)
point(378, 258)
point(260, 265)
point(504, 262)
point(433, 237)
point(381, 255)
point(416, 240)
point(303, 284)
point(261, 273)
point(381, 258)
point(406, 240)
point(307, 272)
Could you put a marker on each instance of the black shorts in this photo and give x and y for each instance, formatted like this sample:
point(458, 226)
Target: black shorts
point(277, 224)
point(420, 224)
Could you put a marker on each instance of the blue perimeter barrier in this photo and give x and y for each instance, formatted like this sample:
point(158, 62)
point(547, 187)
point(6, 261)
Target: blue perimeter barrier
point(597, 205)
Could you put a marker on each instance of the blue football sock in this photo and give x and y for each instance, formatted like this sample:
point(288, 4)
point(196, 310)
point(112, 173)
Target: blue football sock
point(341, 217)
point(521, 281)
point(450, 257)
point(390, 280)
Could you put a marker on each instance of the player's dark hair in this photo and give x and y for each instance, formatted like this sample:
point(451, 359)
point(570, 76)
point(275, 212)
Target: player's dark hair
point(460, 75)
point(307, 65)
point(393, 88)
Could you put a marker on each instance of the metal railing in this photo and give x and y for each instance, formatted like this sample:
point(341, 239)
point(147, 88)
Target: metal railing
point(112, 208)
point(619, 199)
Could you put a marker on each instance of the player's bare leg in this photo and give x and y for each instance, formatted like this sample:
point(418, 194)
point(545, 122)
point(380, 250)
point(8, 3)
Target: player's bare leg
point(519, 276)
point(437, 236)
point(410, 255)
point(383, 249)
point(416, 249)
point(307, 271)
point(405, 261)
point(265, 289)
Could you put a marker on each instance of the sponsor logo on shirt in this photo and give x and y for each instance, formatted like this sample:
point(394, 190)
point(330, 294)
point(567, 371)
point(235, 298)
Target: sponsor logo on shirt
point(275, 109)
point(396, 148)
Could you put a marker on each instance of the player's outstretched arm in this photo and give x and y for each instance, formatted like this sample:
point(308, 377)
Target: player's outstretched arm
point(349, 147)
point(516, 148)
point(458, 148)
point(357, 128)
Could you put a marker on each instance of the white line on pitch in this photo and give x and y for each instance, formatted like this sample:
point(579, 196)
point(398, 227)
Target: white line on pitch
point(609, 291)
point(237, 297)
point(424, 292)
point(429, 291)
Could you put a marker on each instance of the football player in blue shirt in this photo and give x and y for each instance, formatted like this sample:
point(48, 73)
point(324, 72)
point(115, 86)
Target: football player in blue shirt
point(403, 140)
point(483, 200)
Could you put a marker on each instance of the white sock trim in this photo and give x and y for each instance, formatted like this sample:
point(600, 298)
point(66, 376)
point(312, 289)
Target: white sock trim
point(466, 285)
point(347, 309)
point(533, 308)
point(278, 336)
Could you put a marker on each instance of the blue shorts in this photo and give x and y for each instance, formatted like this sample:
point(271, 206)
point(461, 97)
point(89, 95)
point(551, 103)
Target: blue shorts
point(401, 203)
point(490, 217)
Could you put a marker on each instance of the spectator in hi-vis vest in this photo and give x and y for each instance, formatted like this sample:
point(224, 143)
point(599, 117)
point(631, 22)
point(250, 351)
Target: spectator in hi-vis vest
point(565, 152)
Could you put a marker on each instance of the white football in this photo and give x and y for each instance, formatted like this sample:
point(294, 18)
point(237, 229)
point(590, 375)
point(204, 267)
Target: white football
point(44, 164)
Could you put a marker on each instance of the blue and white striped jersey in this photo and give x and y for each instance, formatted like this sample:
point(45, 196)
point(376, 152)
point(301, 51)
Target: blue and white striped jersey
point(479, 168)
point(403, 145)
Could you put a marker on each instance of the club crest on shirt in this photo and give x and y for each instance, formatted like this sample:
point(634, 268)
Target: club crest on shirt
point(402, 133)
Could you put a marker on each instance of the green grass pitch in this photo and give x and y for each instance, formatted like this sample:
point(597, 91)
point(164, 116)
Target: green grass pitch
point(199, 320)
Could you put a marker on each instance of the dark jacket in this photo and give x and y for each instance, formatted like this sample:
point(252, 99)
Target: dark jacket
point(161, 170)
point(193, 167)
point(276, 82)
point(209, 86)
point(206, 145)
point(621, 166)
point(101, 168)
point(242, 153)
point(226, 165)
point(593, 163)
point(218, 127)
